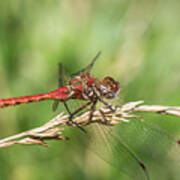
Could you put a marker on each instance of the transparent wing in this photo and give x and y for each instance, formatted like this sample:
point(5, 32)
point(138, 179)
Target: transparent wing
point(64, 77)
point(88, 68)
point(129, 146)
point(62, 81)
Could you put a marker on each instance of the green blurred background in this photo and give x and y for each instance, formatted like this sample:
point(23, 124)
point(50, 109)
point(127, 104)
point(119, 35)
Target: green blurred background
point(140, 42)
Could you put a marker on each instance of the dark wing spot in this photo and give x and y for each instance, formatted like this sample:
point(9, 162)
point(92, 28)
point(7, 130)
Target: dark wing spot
point(178, 141)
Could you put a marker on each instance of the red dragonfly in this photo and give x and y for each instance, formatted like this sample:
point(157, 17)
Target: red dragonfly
point(103, 137)
point(82, 86)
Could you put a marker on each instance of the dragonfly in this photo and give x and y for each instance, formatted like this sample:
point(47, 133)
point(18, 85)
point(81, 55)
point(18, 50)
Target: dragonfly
point(103, 136)
point(78, 86)
point(103, 140)
point(83, 86)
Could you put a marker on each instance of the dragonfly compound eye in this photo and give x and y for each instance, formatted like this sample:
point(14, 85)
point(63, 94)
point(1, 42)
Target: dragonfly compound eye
point(110, 87)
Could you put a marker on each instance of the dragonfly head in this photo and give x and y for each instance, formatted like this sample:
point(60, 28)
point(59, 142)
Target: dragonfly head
point(110, 88)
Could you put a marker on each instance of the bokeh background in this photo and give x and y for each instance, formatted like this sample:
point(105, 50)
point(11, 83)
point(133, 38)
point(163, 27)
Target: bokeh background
point(140, 44)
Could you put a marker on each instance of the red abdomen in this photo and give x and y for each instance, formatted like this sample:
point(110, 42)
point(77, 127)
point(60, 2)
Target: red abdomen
point(61, 94)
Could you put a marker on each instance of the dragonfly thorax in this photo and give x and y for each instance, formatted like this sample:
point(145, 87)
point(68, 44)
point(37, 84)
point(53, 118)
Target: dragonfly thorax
point(87, 87)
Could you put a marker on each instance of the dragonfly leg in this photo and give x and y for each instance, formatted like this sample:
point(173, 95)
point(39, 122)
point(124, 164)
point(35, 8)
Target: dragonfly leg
point(66, 107)
point(108, 105)
point(75, 112)
point(93, 107)
point(96, 92)
point(70, 118)
point(104, 117)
